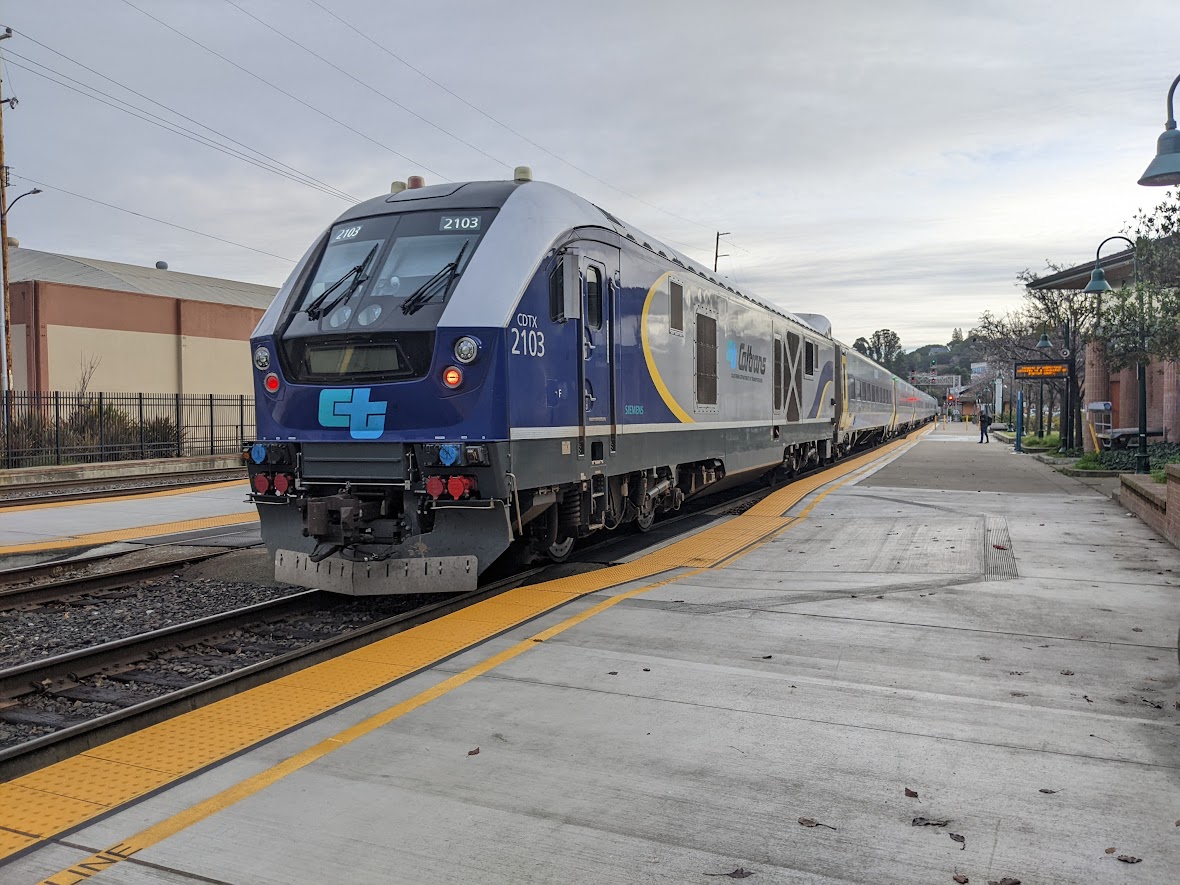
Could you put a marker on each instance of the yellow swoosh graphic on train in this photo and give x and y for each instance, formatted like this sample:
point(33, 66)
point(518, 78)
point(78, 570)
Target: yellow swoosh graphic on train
point(661, 387)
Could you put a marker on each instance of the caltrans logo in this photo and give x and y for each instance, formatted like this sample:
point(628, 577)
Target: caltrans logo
point(351, 408)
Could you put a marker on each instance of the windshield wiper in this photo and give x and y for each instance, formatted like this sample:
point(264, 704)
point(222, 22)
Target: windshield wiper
point(440, 282)
point(315, 310)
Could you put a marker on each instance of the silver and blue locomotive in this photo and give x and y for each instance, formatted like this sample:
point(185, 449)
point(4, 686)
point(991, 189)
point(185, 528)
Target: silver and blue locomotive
point(455, 370)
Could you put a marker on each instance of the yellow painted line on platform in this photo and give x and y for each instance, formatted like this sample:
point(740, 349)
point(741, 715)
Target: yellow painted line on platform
point(94, 539)
point(61, 797)
point(133, 496)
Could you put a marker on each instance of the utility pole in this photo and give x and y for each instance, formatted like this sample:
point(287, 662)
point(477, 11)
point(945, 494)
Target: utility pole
point(5, 302)
point(716, 245)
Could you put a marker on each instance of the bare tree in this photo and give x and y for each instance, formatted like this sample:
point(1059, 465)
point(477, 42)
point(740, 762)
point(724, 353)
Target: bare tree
point(87, 366)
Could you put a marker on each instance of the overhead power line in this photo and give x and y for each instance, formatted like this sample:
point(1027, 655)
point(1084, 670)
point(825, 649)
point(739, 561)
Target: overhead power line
point(500, 122)
point(156, 120)
point(361, 82)
point(184, 116)
point(150, 218)
point(279, 89)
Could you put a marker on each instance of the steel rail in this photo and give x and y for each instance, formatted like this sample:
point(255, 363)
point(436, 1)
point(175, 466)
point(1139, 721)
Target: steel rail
point(84, 490)
point(15, 590)
point(74, 665)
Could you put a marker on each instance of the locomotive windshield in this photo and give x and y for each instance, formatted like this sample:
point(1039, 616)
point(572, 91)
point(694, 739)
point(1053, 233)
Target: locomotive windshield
point(371, 305)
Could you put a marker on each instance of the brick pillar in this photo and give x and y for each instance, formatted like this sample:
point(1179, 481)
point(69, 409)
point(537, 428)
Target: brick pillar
point(1128, 398)
point(1170, 401)
point(1097, 386)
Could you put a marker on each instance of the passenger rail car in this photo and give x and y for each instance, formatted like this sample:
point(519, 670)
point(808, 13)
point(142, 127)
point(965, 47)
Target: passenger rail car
point(454, 370)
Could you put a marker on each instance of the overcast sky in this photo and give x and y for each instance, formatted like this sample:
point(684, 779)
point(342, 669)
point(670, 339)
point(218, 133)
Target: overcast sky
point(889, 164)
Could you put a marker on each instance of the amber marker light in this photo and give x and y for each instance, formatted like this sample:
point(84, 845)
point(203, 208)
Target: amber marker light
point(271, 383)
point(452, 376)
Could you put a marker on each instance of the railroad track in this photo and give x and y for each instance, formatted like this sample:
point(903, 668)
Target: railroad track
point(38, 584)
point(38, 676)
point(86, 490)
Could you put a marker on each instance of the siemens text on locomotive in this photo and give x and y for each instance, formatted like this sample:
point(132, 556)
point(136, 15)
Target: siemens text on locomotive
point(455, 370)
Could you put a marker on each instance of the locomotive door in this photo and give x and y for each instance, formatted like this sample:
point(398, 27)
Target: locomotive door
point(597, 412)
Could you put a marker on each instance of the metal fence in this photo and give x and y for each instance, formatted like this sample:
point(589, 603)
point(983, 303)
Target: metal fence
point(57, 427)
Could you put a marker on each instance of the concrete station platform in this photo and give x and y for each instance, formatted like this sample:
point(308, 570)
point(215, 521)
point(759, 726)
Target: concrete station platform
point(945, 617)
point(39, 530)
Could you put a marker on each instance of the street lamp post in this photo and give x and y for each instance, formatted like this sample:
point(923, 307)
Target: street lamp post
point(5, 305)
point(1042, 345)
point(1098, 285)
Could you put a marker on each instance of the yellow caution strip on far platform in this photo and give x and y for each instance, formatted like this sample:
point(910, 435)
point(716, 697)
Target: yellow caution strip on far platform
point(61, 797)
point(95, 539)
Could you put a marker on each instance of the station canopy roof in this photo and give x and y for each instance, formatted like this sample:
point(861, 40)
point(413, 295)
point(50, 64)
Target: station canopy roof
point(49, 267)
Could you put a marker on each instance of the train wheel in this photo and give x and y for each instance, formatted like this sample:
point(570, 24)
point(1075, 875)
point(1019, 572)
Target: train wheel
point(645, 519)
point(559, 551)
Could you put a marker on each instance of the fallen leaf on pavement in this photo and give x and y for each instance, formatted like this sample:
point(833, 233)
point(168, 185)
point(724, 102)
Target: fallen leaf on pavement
point(1087, 699)
point(474, 752)
point(1043, 790)
point(1136, 629)
point(911, 794)
point(960, 878)
point(924, 822)
point(999, 546)
point(739, 873)
point(808, 822)
point(962, 840)
point(984, 658)
point(1111, 850)
point(613, 673)
point(767, 657)
point(1067, 672)
point(1128, 858)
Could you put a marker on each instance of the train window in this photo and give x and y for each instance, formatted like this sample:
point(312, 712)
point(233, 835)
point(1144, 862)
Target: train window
point(809, 360)
point(778, 374)
point(557, 294)
point(676, 306)
point(593, 297)
point(706, 368)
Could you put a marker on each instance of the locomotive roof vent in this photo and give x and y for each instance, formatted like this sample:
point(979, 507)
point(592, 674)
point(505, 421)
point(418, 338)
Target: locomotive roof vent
point(522, 173)
point(415, 181)
point(397, 187)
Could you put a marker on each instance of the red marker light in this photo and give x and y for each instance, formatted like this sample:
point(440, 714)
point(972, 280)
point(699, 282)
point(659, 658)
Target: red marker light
point(271, 383)
point(459, 486)
point(452, 377)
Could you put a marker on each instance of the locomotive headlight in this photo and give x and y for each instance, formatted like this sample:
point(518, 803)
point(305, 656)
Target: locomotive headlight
point(262, 358)
point(466, 350)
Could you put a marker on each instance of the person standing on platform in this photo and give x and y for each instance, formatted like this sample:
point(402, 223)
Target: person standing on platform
point(985, 421)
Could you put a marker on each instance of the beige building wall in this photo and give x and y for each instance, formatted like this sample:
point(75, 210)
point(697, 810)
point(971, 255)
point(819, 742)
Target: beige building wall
point(124, 362)
point(20, 371)
point(215, 365)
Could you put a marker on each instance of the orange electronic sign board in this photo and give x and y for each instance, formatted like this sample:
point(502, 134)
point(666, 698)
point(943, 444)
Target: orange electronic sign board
point(1042, 370)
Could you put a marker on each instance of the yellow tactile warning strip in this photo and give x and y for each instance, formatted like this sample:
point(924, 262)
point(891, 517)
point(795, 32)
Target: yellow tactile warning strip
point(135, 532)
point(49, 802)
point(131, 496)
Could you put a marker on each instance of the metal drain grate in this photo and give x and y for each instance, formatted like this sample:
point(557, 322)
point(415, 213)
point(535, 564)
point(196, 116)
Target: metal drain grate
point(1000, 561)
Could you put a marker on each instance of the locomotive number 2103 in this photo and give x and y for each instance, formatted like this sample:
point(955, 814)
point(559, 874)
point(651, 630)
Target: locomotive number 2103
point(528, 342)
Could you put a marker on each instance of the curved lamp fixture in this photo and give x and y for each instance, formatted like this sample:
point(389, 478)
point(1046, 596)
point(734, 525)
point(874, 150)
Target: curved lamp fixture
point(1165, 168)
